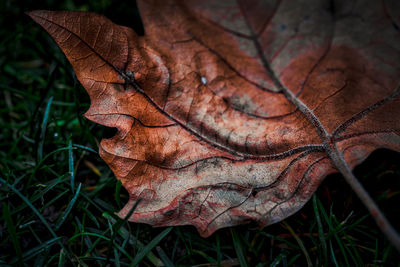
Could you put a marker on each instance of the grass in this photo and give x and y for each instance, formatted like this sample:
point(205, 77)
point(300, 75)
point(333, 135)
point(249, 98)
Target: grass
point(58, 197)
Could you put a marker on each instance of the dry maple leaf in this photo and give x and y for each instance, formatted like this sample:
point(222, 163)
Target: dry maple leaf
point(232, 111)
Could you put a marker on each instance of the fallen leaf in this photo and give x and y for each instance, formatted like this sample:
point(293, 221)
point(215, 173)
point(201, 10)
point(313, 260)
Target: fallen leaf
point(235, 111)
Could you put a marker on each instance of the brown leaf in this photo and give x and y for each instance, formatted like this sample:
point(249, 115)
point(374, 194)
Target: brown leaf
point(232, 112)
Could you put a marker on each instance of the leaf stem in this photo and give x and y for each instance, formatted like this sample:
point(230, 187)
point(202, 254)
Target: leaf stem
point(380, 219)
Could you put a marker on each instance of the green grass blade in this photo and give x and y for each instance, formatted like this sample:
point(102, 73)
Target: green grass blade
point(85, 148)
point(71, 165)
point(278, 259)
point(167, 262)
point(44, 159)
point(219, 256)
point(186, 241)
point(43, 129)
point(117, 192)
point(143, 252)
point(104, 259)
point(205, 256)
point(238, 248)
point(91, 216)
point(116, 257)
point(41, 218)
point(94, 244)
point(353, 247)
point(291, 260)
point(118, 225)
point(36, 250)
point(69, 208)
point(88, 234)
point(283, 240)
point(333, 232)
point(301, 244)
point(39, 195)
point(321, 234)
point(333, 255)
point(13, 234)
point(61, 259)
point(114, 228)
point(126, 235)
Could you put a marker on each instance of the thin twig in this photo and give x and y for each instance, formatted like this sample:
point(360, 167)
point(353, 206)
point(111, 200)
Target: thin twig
point(387, 229)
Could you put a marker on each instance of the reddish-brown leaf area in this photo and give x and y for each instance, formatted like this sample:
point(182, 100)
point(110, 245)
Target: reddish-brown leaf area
point(231, 111)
